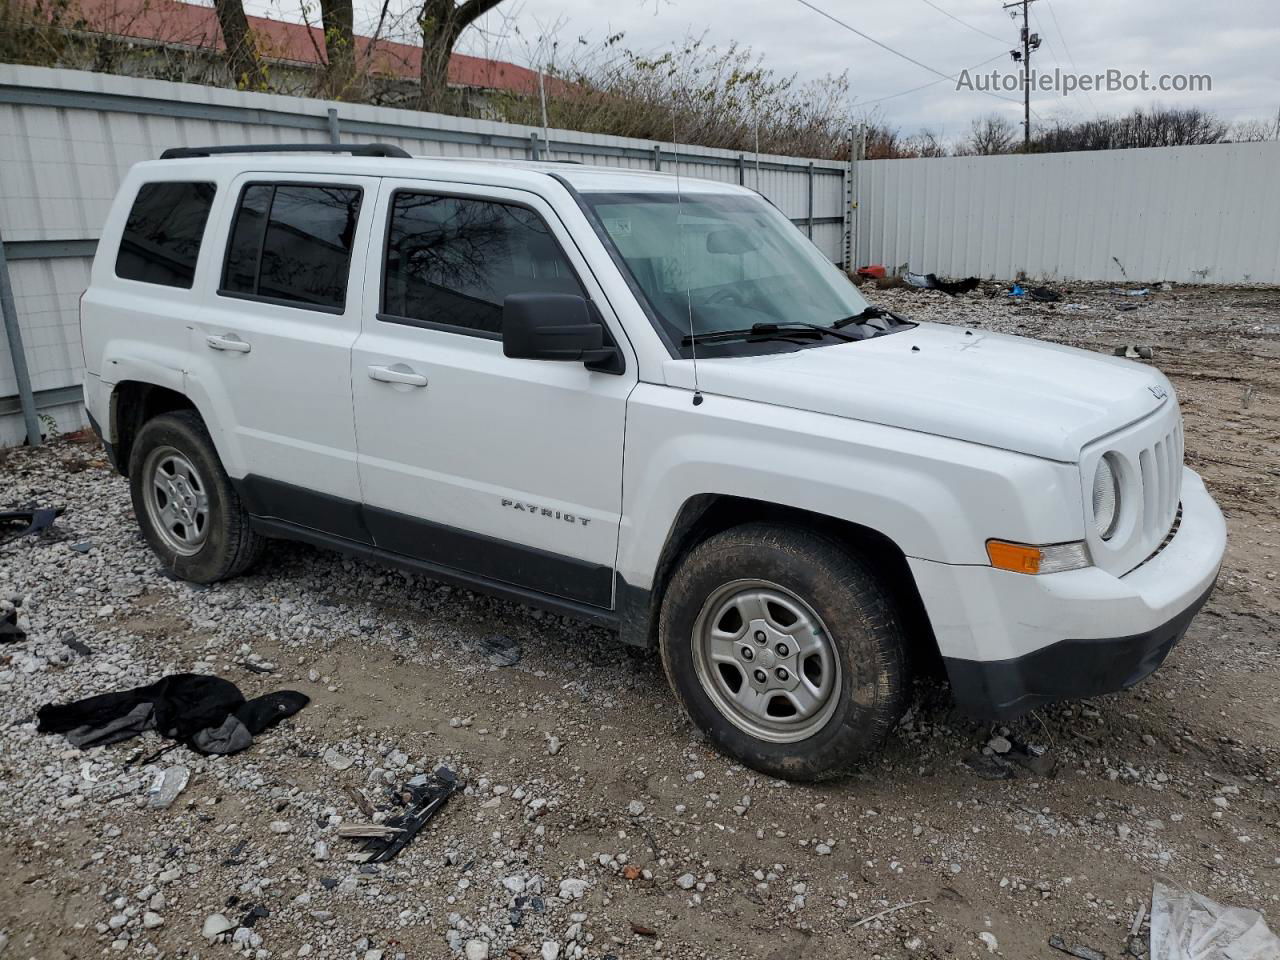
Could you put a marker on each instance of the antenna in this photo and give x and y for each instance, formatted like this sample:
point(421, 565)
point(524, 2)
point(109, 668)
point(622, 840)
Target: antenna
point(688, 294)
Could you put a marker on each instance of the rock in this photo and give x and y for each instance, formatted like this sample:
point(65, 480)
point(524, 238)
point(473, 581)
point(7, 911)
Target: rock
point(686, 881)
point(337, 760)
point(822, 850)
point(281, 826)
point(550, 950)
point(999, 744)
point(990, 940)
point(151, 920)
point(572, 888)
point(635, 808)
point(514, 884)
point(320, 851)
point(553, 747)
point(214, 925)
point(476, 950)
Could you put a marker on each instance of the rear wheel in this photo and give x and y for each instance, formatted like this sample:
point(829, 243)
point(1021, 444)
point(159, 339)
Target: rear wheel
point(185, 503)
point(785, 649)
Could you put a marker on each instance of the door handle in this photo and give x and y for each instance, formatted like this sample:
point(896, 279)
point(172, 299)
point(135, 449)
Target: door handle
point(229, 342)
point(399, 373)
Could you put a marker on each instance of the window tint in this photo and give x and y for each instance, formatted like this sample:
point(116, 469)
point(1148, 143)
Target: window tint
point(453, 261)
point(293, 243)
point(162, 235)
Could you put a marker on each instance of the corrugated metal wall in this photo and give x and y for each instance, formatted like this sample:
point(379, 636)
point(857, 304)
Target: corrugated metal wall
point(1206, 214)
point(67, 138)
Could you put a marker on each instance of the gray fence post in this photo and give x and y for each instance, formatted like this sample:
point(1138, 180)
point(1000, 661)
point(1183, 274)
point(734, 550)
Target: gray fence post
point(14, 333)
point(742, 170)
point(657, 158)
point(809, 215)
point(535, 152)
point(333, 126)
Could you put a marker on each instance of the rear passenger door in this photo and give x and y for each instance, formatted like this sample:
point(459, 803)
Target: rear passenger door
point(507, 469)
point(274, 342)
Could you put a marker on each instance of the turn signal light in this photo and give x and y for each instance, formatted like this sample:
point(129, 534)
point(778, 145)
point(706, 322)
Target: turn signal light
point(1025, 558)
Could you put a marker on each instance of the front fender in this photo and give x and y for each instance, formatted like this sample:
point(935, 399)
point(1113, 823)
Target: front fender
point(935, 498)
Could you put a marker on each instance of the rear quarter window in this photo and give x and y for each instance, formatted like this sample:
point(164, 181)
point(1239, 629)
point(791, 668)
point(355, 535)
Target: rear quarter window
point(161, 239)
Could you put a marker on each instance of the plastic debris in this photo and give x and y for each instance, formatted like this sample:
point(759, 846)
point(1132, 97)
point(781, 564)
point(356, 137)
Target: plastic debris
point(35, 518)
point(422, 797)
point(1137, 292)
point(871, 271)
point(1188, 926)
point(166, 786)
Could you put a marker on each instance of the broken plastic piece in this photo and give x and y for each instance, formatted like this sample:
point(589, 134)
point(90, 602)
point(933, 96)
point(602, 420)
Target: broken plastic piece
point(35, 518)
point(1188, 926)
point(426, 795)
point(166, 786)
point(1082, 952)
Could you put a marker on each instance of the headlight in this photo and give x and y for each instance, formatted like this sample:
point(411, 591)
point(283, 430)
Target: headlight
point(1106, 498)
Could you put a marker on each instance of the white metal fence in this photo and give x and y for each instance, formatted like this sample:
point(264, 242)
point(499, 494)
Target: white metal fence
point(67, 138)
point(1205, 214)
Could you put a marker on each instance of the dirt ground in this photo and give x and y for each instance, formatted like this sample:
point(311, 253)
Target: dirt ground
point(595, 822)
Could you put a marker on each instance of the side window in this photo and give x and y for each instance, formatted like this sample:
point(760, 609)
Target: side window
point(452, 260)
point(291, 243)
point(162, 236)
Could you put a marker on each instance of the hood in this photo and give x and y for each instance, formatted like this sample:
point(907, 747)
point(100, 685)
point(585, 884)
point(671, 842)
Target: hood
point(1001, 391)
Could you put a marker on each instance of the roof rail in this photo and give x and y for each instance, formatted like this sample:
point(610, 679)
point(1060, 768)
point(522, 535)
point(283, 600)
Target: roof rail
point(355, 149)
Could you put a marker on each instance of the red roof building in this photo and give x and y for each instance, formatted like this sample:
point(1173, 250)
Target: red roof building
point(176, 24)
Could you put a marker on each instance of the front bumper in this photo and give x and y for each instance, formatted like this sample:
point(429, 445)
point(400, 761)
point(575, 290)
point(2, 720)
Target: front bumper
point(1011, 642)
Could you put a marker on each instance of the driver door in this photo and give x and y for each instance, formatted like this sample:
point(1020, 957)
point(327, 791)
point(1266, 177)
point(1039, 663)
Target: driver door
point(509, 470)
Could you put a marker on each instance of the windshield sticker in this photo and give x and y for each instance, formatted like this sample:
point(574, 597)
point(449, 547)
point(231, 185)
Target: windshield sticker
point(617, 226)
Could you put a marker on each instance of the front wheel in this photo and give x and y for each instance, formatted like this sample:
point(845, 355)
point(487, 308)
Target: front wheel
point(185, 503)
point(785, 649)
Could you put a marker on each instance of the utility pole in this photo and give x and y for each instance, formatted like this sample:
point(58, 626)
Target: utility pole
point(1030, 42)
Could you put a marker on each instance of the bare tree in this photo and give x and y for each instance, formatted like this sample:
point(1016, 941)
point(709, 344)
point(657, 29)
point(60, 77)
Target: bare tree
point(339, 47)
point(990, 135)
point(442, 22)
point(923, 144)
point(242, 49)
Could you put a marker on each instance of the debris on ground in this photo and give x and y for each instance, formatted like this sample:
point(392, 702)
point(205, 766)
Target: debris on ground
point(10, 632)
point(31, 519)
point(1138, 292)
point(1136, 352)
point(1080, 951)
point(208, 714)
point(931, 281)
point(166, 786)
point(500, 650)
point(871, 271)
point(422, 797)
point(1188, 926)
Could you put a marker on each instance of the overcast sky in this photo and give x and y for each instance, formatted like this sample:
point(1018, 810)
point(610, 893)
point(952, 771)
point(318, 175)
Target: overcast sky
point(1236, 43)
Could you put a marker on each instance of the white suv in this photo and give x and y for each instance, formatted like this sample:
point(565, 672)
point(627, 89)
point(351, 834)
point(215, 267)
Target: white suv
point(648, 403)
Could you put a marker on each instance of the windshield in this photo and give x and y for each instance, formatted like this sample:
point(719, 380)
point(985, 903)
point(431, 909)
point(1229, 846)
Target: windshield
point(731, 261)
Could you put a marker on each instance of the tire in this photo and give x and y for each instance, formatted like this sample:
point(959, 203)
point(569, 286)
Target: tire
point(191, 516)
point(847, 640)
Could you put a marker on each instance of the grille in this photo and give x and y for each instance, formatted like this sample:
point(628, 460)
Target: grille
point(1160, 466)
point(1168, 537)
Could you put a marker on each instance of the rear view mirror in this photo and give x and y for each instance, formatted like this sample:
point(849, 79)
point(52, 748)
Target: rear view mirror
point(731, 240)
point(556, 326)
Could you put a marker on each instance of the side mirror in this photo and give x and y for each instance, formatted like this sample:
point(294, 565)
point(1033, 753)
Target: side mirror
point(556, 326)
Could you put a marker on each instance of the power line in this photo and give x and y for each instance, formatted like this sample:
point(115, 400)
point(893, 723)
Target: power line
point(896, 53)
point(923, 86)
point(1067, 47)
point(965, 23)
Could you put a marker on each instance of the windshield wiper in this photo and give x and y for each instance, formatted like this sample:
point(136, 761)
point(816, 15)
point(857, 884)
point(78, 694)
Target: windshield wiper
point(862, 316)
point(771, 331)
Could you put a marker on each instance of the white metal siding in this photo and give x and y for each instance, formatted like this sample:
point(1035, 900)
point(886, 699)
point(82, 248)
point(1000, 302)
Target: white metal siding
point(1205, 214)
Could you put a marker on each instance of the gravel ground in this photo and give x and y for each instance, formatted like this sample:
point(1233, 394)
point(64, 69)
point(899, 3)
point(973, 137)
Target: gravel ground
point(595, 822)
